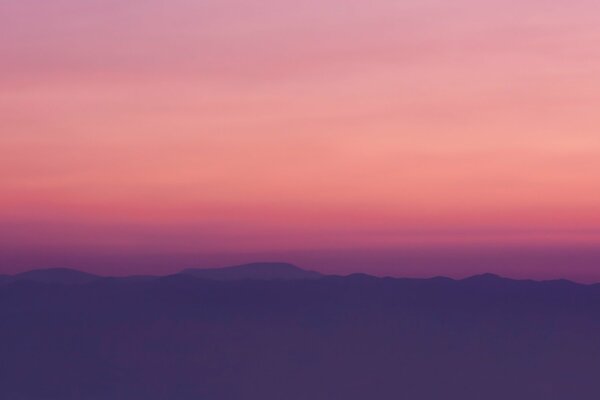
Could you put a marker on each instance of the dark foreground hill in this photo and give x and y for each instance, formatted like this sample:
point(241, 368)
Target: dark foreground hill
point(350, 338)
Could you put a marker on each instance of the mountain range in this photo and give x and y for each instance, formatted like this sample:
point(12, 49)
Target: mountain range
point(252, 271)
point(270, 331)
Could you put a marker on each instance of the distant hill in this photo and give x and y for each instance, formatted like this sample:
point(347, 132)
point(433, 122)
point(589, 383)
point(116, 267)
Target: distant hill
point(254, 271)
point(55, 275)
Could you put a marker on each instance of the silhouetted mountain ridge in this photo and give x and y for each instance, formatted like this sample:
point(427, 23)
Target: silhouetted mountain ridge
point(259, 270)
point(251, 271)
point(354, 338)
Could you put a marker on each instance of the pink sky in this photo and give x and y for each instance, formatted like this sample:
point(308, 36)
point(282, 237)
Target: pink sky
point(229, 126)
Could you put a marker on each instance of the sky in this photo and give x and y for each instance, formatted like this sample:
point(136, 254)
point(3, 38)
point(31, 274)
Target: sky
point(346, 135)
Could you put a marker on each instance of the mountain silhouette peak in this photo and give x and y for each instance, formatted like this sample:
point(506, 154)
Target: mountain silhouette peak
point(488, 279)
point(254, 271)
